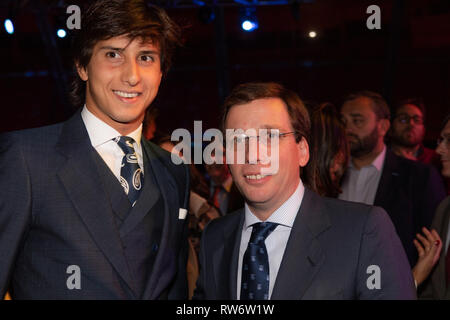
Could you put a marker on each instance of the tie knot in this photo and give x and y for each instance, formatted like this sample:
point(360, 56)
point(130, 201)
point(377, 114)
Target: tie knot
point(261, 231)
point(126, 144)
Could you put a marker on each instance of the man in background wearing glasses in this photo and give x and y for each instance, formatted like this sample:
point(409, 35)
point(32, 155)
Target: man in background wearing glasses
point(408, 131)
point(409, 191)
point(288, 243)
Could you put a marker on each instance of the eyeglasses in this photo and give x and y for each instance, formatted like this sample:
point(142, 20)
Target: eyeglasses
point(264, 138)
point(404, 118)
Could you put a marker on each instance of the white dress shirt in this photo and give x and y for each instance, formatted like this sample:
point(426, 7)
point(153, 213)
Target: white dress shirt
point(361, 185)
point(277, 240)
point(101, 135)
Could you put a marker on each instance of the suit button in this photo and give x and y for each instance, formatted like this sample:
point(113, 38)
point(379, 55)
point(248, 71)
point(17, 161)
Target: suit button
point(155, 247)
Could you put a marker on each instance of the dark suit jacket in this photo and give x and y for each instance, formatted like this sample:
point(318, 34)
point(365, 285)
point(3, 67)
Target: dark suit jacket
point(331, 245)
point(410, 192)
point(54, 213)
point(435, 286)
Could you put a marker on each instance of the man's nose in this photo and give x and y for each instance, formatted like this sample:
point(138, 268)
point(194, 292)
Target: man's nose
point(130, 73)
point(255, 151)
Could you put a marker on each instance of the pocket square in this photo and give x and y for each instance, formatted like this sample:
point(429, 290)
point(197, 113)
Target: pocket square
point(182, 214)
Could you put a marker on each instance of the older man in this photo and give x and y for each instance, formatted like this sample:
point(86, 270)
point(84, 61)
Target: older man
point(288, 242)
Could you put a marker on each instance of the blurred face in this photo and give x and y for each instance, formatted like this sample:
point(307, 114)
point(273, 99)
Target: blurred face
point(443, 150)
point(407, 128)
point(218, 172)
point(362, 128)
point(267, 192)
point(122, 79)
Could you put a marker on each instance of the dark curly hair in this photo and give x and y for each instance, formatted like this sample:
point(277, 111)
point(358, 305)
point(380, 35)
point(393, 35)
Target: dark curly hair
point(105, 19)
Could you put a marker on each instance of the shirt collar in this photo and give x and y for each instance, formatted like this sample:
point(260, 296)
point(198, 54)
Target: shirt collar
point(100, 132)
point(377, 162)
point(284, 215)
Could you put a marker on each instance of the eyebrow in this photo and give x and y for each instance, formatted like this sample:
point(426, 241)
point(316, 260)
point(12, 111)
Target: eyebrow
point(269, 126)
point(149, 52)
point(112, 48)
point(123, 49)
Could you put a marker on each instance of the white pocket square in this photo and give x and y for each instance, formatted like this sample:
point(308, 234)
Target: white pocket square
point(182, 214)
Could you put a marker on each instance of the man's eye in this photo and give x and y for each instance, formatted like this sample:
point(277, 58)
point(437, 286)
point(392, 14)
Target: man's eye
point(273, 135)
point(147, 58)
point(112, 54)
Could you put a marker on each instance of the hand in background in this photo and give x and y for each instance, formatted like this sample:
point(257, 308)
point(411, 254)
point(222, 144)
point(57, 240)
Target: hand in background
point(429, 250)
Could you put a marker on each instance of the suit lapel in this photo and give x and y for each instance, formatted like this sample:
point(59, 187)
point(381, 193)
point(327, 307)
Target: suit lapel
point(83, 185)
point(389, 175)
point(303, 256)
point(225, 260)
point(161, 276)
point(148, 197)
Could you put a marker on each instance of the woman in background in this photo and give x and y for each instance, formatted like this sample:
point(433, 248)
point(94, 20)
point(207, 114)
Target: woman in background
point(329, 151)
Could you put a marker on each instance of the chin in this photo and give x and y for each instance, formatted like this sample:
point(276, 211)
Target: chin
point(256, 196)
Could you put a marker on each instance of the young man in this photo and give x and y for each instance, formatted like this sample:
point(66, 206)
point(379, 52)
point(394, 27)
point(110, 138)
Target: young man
point(408, 190)
point(288, 242)
point(89, 208)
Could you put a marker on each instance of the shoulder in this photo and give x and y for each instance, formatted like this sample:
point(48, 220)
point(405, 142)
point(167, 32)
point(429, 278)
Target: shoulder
point(348, 210)
point(166, 159)
point(352, 216)
point(228, 222)
point(409, 168)
point(30, 139)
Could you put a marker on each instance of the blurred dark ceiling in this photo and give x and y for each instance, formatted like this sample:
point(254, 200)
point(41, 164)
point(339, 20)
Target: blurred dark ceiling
point(408, 57)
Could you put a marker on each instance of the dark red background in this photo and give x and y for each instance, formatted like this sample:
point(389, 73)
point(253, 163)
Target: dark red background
point(344, 57)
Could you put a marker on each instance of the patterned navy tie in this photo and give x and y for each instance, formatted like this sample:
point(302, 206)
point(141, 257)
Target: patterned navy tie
point(255, 265)
point(131, 176)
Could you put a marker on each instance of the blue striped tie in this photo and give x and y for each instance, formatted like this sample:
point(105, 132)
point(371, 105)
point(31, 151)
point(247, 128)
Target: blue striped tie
point(255, 265)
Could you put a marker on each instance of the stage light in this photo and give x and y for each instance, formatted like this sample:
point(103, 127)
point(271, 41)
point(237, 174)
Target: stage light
point(9, 26)
point(312, 34)
point(248, 25)
point(61, 33)
point(248, 19)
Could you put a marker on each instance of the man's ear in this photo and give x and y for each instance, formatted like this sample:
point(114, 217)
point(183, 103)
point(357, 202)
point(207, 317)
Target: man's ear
point(82, 72)
point(303, 152)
